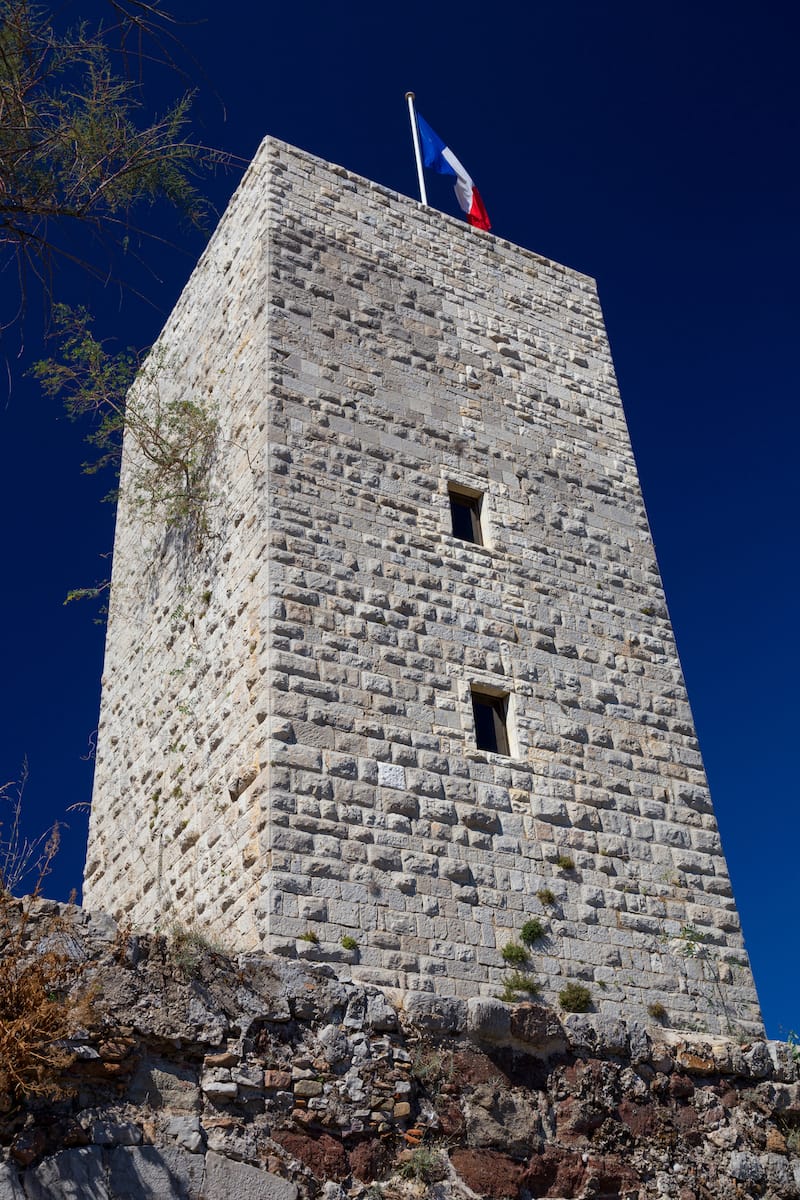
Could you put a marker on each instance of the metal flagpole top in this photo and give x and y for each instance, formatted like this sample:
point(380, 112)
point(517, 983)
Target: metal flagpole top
point(423, 195)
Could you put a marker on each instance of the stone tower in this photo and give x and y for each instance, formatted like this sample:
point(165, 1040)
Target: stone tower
point(405, 675)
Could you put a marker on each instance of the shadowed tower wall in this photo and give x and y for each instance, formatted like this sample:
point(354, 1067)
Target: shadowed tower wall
point(288, 735)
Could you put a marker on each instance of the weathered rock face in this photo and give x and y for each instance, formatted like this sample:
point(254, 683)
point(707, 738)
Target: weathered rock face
point(288, 743)
point(205, 1077)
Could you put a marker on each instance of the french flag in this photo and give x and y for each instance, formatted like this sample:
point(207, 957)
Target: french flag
point(440, 158)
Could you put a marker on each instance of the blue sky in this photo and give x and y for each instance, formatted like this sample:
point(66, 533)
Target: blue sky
point(654, 148)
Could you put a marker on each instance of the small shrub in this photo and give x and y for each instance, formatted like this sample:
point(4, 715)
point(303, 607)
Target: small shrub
point(348, 943)
point(188, 947)
point(793, 1044)
point(565, 863)
point(692, 942)
point(532, 931)
point(514, 954)
point(432, 1065)
point(425, 1165)
point(308, 936)
point(171, 436)
point(657, 1011)
point(575, 998)
point(546, 897)
point(518, 982)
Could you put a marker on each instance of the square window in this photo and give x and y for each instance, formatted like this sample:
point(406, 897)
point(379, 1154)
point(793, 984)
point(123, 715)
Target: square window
point(491, 721)
point(465, 513)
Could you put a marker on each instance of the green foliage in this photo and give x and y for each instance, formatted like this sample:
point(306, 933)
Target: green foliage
point(793, 1042)
point(693, 945)
point(546, 897)
point(565, 863)
point(308, 936)
point(514, 954)
point(433, 1065)
point(91, 593)
point(171, 435)
point(188, 947)
point(657, 1011)
point(792, 1135)
point(575, 998)
point(532, 931)
point(692, 942)
point(76, 144)
point(348, 942)
point(424, 1165)
point(518, 982)
point(92, 382)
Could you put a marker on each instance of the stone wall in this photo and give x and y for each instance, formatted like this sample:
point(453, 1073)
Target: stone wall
point(287, 747)
point(201, 1076)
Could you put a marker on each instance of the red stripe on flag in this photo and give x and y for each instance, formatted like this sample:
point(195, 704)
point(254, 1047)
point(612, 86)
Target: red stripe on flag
point(477, 214)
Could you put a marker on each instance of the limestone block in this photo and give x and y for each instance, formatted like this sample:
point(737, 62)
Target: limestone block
point(108, 1133)
point(219, 1086)
point(226, 1178)
point(74, 1175)
point(152, 1174)
point(10, 1187)
point(380, 1015)
point(186, 1132)
point(435, 1014)
point(166, 1083)
point(745, 1167)
point(488, 1019)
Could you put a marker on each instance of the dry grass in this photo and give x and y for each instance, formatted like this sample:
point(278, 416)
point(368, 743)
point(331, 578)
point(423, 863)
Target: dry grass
point(41, 964)
point(36, 1014)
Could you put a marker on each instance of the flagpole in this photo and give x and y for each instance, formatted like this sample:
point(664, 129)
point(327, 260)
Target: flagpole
point(423, 195)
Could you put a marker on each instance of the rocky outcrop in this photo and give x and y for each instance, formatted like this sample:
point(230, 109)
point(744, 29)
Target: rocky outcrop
point(205, 1077)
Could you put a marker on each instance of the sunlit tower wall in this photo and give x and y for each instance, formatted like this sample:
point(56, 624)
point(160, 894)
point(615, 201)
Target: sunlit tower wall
point(405, 673)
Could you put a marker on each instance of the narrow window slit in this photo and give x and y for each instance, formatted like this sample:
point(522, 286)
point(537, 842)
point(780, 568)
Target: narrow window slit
point(465, 513)
point(491, 721)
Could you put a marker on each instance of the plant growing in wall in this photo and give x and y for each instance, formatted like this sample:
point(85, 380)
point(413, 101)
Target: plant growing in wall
point(575, 998)
point(693, 945)
point(518, 984)
point(793, 1045)
point(425, 1165)
point(514, 954)
point(171, 434)
point(432, 1064)
point(532, 931)
point(188, 947)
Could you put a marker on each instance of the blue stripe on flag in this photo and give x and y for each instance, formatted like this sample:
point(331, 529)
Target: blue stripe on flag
point(432, 147)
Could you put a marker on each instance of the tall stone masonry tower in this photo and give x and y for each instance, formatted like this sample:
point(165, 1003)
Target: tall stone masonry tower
point(404, 674)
